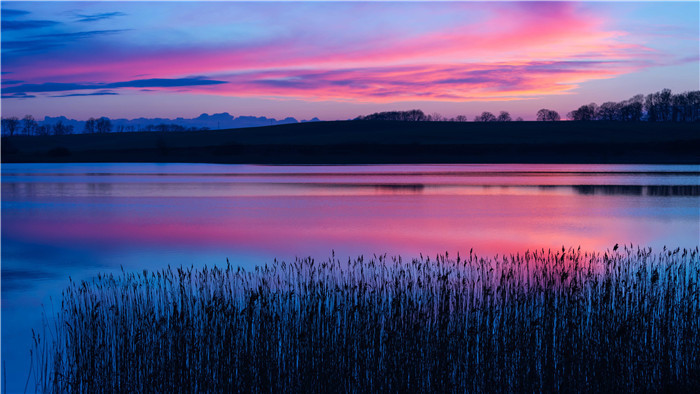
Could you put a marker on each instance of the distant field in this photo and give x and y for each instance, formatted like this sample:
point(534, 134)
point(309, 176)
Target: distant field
point(369, 142)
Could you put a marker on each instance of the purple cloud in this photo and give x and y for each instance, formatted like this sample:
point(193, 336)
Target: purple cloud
point(99, 17)
point(17, 96)
point(138, 83)
point(24, 25)
point(100, 93)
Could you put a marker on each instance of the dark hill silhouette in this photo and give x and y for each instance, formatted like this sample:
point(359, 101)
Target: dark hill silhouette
point(368, 142)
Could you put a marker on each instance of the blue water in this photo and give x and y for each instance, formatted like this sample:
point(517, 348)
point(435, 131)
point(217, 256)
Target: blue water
point(77, 220)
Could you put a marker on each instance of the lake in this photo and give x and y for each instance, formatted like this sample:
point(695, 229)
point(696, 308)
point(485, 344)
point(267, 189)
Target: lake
point(78, 220)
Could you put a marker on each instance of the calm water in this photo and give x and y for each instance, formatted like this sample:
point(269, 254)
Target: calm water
point(80, 219)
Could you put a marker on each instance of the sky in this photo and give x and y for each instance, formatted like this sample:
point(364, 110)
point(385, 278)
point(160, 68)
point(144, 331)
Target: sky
point(338, 60)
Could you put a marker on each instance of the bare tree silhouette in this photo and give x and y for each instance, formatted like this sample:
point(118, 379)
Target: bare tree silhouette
point(29, 125)
point(103, 125)
point(547, 115)
point(485, 117)
point(90, 125)
point(504, 116)
point(10, 125)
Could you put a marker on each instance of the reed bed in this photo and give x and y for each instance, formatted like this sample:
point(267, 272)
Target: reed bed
point(623, 320)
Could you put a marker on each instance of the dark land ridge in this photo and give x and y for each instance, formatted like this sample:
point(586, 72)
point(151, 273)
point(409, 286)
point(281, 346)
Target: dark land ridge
point(377, 142)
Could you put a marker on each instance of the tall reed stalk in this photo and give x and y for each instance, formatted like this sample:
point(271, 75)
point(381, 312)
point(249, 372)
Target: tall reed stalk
point(626, 320)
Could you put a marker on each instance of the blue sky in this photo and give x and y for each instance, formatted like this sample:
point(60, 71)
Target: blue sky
point(339, 60)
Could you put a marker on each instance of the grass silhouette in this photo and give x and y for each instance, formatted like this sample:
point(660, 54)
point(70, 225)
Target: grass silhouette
point(622, 320)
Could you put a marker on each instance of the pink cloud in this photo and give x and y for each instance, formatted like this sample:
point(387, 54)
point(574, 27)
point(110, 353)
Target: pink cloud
point(516, 52)
point(447, 82)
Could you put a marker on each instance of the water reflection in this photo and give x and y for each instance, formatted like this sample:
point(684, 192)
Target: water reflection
point(29, 190)
point(400, 188)
point(676, 190)
point(268, 212)
point(77, 220)
point(636, 190)
point(609, 189)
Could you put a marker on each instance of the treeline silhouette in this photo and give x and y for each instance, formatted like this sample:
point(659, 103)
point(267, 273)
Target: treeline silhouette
point(29, 126)
point(163, 127)
point(416, 115)
point(662, 106)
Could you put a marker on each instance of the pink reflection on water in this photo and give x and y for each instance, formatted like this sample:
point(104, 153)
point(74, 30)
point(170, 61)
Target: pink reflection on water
point(406, 224)
point(93, 218)
point(309, 210)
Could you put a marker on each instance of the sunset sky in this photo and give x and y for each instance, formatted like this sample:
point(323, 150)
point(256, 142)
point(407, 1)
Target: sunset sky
point(339, 60)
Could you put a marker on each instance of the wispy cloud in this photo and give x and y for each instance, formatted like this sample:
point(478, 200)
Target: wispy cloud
point(138, 83)
point(457, 52)
point(99, 17)
point(462, 82)
point(100, 93)
point(80, 34)
point(16, 96)
point(43, 42)
point(165, 83)
point(12, 13)
point(29, 45)
point(29, 24)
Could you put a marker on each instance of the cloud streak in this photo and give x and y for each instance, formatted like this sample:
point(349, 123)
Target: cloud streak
point(80, 34)
point(454, 52)
point(138, 83)
point(457, 82)
point(27, 46)
point(99, 17)
point(100, 93)
point(29, 24)
point(44, 42)
point(12, 13)
point(16, 95)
